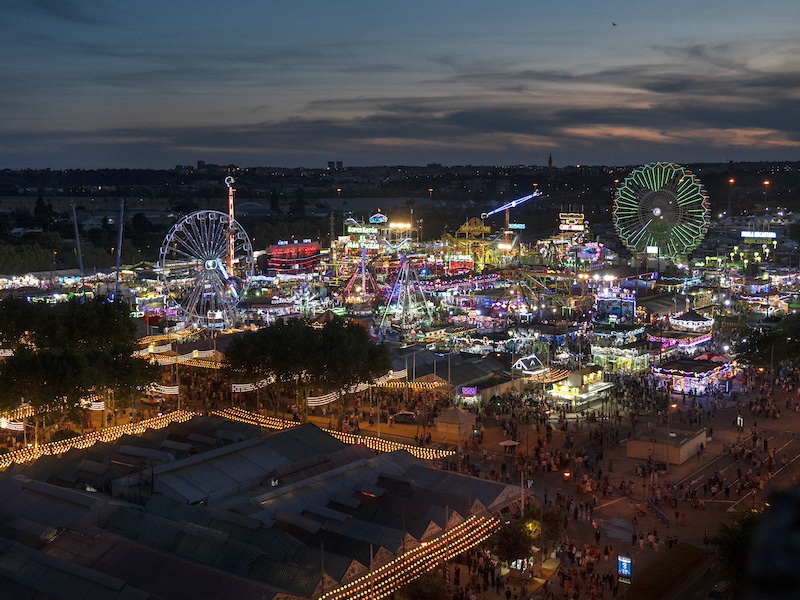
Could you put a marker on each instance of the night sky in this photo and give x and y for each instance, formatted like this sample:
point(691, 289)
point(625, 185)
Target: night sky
point(90, 83)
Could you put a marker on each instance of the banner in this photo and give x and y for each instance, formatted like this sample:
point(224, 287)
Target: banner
point(238, 388)
point(167, 390)
point(11, 425)
point(251, 387)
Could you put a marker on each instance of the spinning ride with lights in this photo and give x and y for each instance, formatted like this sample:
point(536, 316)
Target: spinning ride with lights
point(406, 305)
point(663, 209)
point(205, 264)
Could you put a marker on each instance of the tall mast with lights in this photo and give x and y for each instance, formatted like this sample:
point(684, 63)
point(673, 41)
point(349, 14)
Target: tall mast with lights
point(229, 182)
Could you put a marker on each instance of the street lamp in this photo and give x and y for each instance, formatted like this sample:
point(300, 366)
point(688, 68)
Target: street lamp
point(766, 190)
point(731, 181)
point(430, 193)
point(669, 430)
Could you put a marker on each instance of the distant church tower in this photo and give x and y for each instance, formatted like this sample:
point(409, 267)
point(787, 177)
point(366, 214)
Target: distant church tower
point(550, 165)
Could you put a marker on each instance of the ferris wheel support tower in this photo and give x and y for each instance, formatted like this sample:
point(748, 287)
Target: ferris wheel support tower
point(231, 231)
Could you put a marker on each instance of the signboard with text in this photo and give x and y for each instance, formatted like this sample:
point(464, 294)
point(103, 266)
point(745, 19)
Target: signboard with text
point(624, 568)
point(759, 237)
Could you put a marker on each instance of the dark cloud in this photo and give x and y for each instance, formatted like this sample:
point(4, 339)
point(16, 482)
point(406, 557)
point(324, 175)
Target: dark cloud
point(461, 137)
point(352, 100)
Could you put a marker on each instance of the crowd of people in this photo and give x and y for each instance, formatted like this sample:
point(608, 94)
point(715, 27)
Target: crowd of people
point(531, 420)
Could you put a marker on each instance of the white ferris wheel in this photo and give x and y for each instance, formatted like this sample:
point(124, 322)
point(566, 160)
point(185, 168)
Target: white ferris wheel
point(205, 265)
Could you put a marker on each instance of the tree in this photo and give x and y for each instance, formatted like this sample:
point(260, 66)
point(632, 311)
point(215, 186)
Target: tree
point(15, 316)
point(43, 213)
point(52, 382)
point(118, 378)
point(300, 357)
point(283, 353)
point(793, 232)
point(65, 351)
point(772, 346)
point(140, 224)
point(274, 202)
point(299, 204)
point(733, 542)
point(348, 356)
point(546, 523)
point(429, 586)
point(513, 540)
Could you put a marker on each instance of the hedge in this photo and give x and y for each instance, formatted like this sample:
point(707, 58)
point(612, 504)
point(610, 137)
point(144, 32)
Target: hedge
point(660, 576)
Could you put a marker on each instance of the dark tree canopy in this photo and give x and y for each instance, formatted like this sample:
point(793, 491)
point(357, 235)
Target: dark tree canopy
point(513, 540)
point(770, 347)
point(64, 352)
point(430, 586)
point(733, 543)
point(295, 354)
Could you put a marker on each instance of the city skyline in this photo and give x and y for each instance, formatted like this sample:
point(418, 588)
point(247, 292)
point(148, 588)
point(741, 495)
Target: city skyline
point(90, 86)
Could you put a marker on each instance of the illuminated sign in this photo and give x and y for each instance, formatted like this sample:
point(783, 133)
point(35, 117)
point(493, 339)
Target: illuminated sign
point(469, 391)
point(651, 249)
point(759, 237)
point(516, 225)
point(571, 222)
point(362, 230)
point(455, 265)
point(378, 218)
point(367, 245)
point(624, 568)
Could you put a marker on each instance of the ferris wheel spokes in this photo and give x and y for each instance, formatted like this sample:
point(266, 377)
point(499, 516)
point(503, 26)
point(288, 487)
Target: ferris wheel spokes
point(193, 266)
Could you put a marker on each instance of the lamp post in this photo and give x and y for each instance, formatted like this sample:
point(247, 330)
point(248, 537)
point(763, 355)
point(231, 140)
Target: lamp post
point(731, 181)
point(669, 430)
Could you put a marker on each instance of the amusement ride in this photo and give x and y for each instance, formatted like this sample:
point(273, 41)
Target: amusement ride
point(661, 209)
point(205, 265)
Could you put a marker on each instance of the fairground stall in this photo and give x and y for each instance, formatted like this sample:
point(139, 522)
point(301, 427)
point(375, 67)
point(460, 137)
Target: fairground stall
point(580, 388)
point(695, 376)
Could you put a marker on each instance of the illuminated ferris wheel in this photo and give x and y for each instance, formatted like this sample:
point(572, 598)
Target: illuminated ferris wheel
point(663, 209)
point(205, 265)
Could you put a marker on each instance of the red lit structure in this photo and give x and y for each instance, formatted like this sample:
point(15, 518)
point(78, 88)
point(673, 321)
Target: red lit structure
point(293, 259)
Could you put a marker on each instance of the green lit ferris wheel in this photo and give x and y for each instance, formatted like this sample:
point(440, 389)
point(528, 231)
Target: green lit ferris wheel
point(662, 209)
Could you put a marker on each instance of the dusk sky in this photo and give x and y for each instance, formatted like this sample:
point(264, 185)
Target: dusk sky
point(89, 83)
